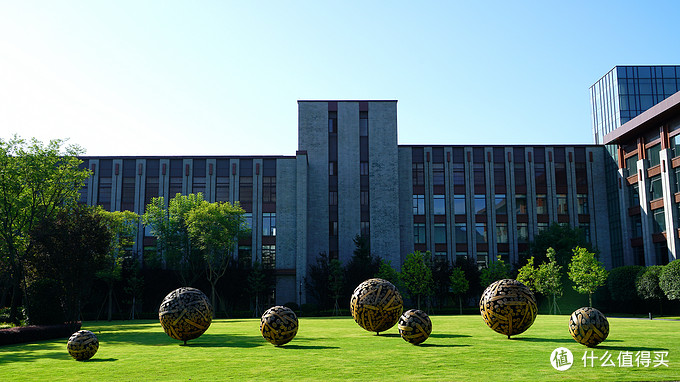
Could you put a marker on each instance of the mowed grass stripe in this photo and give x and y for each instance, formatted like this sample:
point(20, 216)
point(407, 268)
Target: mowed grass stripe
point(330, 349)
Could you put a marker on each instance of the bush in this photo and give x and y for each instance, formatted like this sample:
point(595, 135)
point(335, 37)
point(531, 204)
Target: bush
point(647, 283)
point(621, 282)
point(669, 280)
point(23, 334)
point(44, 303)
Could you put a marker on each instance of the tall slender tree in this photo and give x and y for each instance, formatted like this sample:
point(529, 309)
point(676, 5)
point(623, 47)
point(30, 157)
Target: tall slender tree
point(417, 275)
point(459, 285)
point(586, 272)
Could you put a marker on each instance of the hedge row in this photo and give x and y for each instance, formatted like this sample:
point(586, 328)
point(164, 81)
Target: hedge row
point(33, 333)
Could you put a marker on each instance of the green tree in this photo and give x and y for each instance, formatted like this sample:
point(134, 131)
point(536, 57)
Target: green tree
point(215, 229)
point(586, 272)
point(387, 272)
point(621, 283)
point(417, 275)
point(562, 238)
point(459, 285)
point(70, 248)
point(336, 282)
point(318, 281)
point(168, 225)
point(647, 285)
point(35, 181)
point(527, 274)
point(669, 280)
point(441, 272)
point(497, 270)
point(362, 266)
point(548, 280)
point(257, 285)
point(123, 227)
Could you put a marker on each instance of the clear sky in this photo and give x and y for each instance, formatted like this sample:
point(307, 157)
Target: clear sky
point(223, 77)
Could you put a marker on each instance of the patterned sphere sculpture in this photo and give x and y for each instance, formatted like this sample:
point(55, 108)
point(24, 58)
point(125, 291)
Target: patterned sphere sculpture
point(588, 326)
point(415, 326)
point(279, 325)
point(508, 307)
point(185, 314)
point(82, 345)
point(376, 305)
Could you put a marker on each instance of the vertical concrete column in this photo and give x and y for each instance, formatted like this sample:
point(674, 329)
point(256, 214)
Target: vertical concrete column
point(625, 219)
point(116, 184)
point(210, 179)
point(670, 212)
point(647, 216)
point(511, 204)
point(187, 176)
point(349, 208)
point(93, 191)
point(164, 179)
point(301, 176)
point(571, 187)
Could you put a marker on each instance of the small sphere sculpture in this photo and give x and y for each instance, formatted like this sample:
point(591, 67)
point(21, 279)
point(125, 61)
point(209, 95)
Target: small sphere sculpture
point(82, 345)
point(279, 325)
point(376, 305)
point(415, 326)
point(588, 326)
point(185, 314)
point(508, 307)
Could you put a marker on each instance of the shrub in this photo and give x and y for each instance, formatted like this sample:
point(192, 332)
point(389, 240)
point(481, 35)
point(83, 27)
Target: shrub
point(669, 280)
point(621, 282)
point(44, 303)
point(23, 334)
point(647, 283)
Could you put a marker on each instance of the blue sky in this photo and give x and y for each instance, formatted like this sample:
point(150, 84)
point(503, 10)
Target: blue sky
point(224, 77)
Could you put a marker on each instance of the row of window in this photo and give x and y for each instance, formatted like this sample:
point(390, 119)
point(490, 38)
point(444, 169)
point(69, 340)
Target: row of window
point(500, 204)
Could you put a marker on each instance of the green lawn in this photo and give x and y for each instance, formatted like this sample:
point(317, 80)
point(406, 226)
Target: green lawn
point(460, 348)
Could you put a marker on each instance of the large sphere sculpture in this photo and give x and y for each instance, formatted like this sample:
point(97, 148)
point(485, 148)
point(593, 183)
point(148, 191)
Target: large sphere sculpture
point(415, 326)
point(82, 345)
point(508, 307)
point(376, 305)
point(185, 314)
point(279, 325)
point(588, 326)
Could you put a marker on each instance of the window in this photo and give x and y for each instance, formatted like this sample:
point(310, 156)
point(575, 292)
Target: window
point(675, 145)
point(332, 168)
point(459, 204)
point(500, 204)
point(480, 204)
point(522, 232)
point(634, 195)
point(653, 155)
point(540, 227)
point(478, 174)
point(541, 204)
point(502, 233)
point(480, 233)
point(655, 189)
point(269, 189)
point(461, 233)
point(440, 233)
point(199, 176)
point(363, 168)
point(659, 221)
point(499, 174)
point(333, 228)
point(269, 256)
point(520, 173)
point(539, 171)
point(419, 233)
point(245, 256)
point(245, 192)
point(582, 204)
point(333, 198)
point(418, 174)
point(365, 228)
point(520, 204)
point(438, 174)
point(221, 180)
point(363, 127)
point(248, 216)
point(439, 205)
point(585, 227)
point(631, 164)
point(636, 226)
point(677, 179)
point(269, 224)
point(562, 206)
point(482, 260)
point(332, 122)
point(458, 174)
point(419, 204)
point(364, 198)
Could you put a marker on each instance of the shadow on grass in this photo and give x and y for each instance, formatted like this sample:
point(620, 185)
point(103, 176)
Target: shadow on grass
point(388, 335)
point(101, 360)
point(225, 341)
point(446, 335)
point(307, 347)
point(535, 339)
point(31, 356)
point(442, 346)
point(628, 348)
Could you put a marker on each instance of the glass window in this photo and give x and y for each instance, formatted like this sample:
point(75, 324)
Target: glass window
point(363, 127)
point(522, 232)
point(540, 227)
point(333, 198)
point(461, 233)
point(363, 168)
point(500, 204)
point(585, 227)
point(365, 228)
point(480, 233)
point(478, 173)
point(562, 205)
point(364, 198)
point(636, 226)
point(268, 256)
point(653, 155)
point(419, 204)
point(440, 233)
point(520, 204)
point(502, 233)
point(269, 224)
point(438, 174)
point(499, 174)
point(419, 233)
point(245, 255)
point(582, 203)
point(482, 260)
point(480, 204)
point(539, 171)
point(269, 189)
point(659, 221)
point(677, 179)
point(333, 228)
point(418, 174)
point(459, 204)
point(248, 216)
point(439, 205)
point(655, 189)
point(541, 204)
point(520, 174)
point(634, 195)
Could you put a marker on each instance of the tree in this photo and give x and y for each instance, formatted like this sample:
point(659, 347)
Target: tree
point(459, 285)
point(441, 272)
point(387, 272)
point(621, 283)
point(168, 225)
point(562, 238)
point(257, 285)
point(527, 274)
point(586, 272)
point(647, 285)
point(318, 280)
point(123, 227)
point(336, 282)
point(497, 270)
point(362, 266)
point(669, 280)
point(549, 279)
point(215, 229)
point(417, 275)
point(35, 181)
point(70, 248)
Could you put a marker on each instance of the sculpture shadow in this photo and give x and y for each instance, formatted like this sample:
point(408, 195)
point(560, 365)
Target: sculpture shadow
point(101, 360)
point(628, 348)
point(537, 339)
point(306, 347)
point(388, 335)
point(442, 345)
point(447, 335)
point(225, 341)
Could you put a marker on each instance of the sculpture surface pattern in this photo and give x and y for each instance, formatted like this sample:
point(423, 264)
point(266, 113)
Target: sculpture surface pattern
point(185, 314)
point(508, 307)
point(279, 325)
point(588, 326)
point(376, 305)
point(82, 345)
point(415, 326)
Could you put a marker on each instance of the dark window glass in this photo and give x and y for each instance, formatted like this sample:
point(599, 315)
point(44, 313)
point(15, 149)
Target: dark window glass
point(245, 192)
point(439, 205)
point(438, 174)
point(418, 174)
point(419, 204)
point(269, 189)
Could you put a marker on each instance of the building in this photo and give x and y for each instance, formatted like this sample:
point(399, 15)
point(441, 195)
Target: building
point(349, 177)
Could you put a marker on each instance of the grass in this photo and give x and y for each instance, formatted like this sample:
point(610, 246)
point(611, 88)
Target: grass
point(460, 348)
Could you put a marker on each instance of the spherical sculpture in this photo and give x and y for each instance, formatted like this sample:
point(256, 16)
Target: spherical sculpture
point(185, 314)
point(508, 307)
point(415, 326)
point(588, 326)
point(279, 325)
point(376, 305)
point(82, 345)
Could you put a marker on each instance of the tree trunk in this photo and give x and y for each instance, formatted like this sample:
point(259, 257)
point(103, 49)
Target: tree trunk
point(590, 300)
point(108, 318)
point(460, 305)
point(212, 298)
point(418, 302)
point(14, 308)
